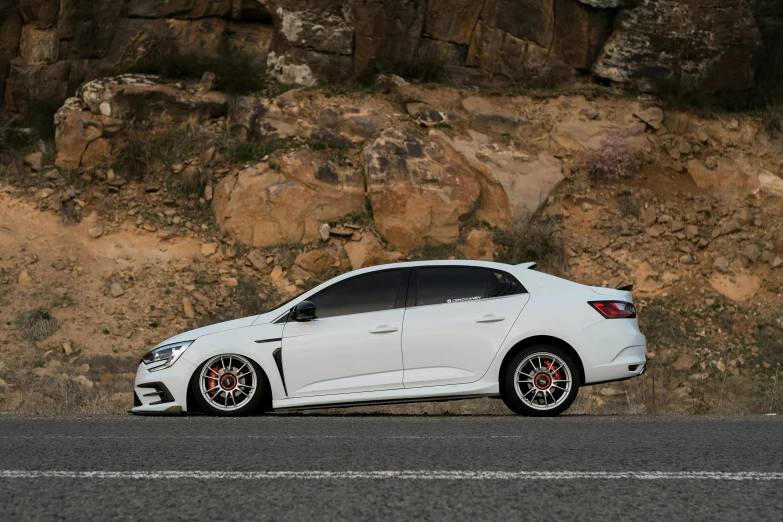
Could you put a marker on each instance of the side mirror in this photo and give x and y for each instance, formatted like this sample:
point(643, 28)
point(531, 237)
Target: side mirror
point(304, 311)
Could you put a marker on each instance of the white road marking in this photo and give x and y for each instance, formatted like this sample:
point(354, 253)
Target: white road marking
point(276, 437)
point(400, 475)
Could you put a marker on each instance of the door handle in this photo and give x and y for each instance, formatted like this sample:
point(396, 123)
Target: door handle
point(383, 329)
point(490, 318)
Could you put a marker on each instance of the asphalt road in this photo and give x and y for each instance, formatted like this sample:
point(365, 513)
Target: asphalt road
point(391, 468)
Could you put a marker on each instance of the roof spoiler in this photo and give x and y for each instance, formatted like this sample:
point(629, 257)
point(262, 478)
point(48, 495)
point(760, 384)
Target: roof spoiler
point(626, 288)
point(529, 266)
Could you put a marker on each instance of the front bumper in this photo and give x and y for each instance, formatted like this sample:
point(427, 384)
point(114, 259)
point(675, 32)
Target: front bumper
point(164, 391)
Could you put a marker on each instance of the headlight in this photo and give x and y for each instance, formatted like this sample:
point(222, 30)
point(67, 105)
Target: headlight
point(165, 356)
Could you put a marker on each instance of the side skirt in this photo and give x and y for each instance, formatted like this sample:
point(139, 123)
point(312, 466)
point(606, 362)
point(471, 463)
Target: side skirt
point(384, 402)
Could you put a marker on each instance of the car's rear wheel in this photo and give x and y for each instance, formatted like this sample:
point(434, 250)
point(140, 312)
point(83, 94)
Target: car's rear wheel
point(229, 385)
point(540, 381)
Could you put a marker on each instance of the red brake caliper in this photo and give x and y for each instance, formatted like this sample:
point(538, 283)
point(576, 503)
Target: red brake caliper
point(549, 365)
point(211, 383)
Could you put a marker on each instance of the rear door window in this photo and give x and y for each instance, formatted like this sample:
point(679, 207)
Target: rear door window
point(456, 284)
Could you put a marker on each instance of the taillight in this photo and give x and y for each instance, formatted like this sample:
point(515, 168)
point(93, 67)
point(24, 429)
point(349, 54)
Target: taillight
point(614, 309)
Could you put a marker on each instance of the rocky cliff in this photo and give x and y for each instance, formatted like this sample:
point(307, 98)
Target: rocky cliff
point(49, 47)
point(169, 205)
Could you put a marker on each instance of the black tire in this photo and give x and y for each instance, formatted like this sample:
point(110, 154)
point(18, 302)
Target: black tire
point(555, 365)
point(254, 405)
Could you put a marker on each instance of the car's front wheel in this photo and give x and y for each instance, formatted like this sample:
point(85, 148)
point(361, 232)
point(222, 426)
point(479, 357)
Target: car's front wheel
point(540, 381)
point(229, 385)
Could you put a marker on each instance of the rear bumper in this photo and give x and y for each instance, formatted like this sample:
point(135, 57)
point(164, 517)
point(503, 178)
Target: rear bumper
point(631, 362)
point(611, 350)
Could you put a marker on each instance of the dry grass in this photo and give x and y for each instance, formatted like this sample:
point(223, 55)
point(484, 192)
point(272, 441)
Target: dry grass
point(37, 325)
point(772, 120)
point(536, 241)
point(628, 204)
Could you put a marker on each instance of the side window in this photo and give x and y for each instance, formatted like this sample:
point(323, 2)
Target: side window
point(451, 284)
point(366, 293)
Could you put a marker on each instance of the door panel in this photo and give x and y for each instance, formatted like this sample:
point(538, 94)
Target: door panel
point(343, 355)
point(452, 329)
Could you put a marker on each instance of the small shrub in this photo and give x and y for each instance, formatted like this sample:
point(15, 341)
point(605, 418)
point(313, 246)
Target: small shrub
point(664, 326)
point(6, 119)
point(193, 182)
point(40, 116)
point(245, 151)
point(143, 151)
point(536, 242)
point(628, 203)
point(768, 338)
point(535, 76)
point(772, 120)
point(38, 324)
point(614, 159)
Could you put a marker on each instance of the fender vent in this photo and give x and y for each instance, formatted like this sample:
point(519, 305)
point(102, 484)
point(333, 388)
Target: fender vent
point(278, 355)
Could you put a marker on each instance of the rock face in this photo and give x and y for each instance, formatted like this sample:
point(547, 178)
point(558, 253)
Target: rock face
point(49, 48)
point(263, 207)
point(693, 45)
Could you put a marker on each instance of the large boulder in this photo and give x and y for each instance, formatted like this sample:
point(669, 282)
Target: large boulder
point(337, 122)
point(366, 252)
point(515, 184)
point(316, 262)
point(263, 207)
point(690, 45)
point(76, 129)
point(143, 98)
point(421, 191)
point(101, 109)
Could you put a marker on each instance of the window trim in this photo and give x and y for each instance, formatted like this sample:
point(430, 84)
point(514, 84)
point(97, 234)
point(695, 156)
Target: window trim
point(399, 301)
point(413, 287)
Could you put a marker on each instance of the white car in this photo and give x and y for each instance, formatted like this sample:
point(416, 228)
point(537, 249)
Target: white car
point(420, 331)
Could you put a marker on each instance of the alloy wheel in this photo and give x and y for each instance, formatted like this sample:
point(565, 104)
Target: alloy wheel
point(228, 382)
point(543, 381)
